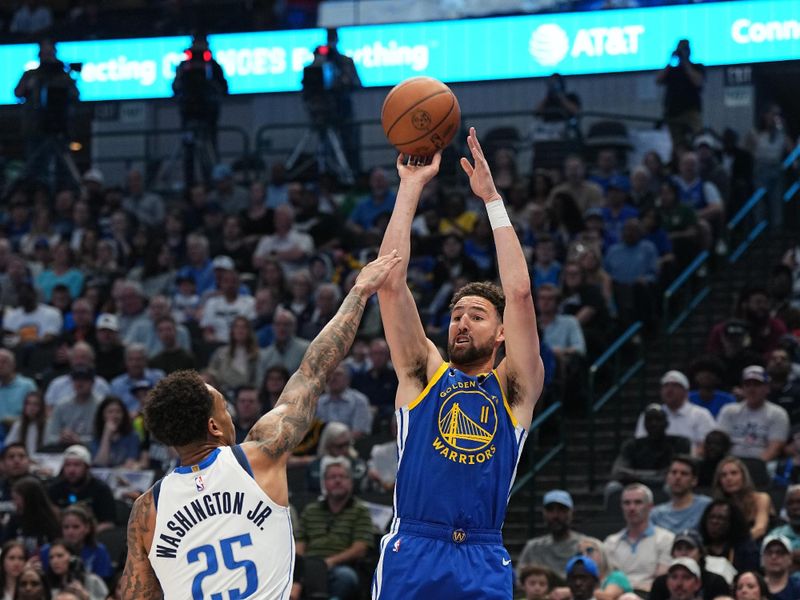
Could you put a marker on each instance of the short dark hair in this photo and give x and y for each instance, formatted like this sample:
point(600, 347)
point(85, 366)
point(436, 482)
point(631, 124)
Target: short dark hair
point(484, 289)
point(687, 460)
point(11, 446)
point(177, 410)
point(125, 426)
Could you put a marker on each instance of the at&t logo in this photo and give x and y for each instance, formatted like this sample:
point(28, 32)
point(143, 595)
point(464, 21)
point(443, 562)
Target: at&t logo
point(550, 44)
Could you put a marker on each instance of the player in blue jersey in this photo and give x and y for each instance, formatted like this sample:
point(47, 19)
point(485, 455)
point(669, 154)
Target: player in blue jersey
point(462, 423)
point(218, 526)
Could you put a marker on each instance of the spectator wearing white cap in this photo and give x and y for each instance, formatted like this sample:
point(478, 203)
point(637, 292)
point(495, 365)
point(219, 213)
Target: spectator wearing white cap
point(554, 549)
point(220, 310)
point(110, 351)
point(791, 531)
point(685, 419)
point(758, 428)
point(76, 483)
point(776, 560)
point(683, 579)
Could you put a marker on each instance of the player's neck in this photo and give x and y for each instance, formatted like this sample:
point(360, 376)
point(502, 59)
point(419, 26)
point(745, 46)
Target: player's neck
point(194, 454)
point(476, 368)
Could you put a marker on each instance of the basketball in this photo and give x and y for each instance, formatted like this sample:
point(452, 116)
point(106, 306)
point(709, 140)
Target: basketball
point(420, 116)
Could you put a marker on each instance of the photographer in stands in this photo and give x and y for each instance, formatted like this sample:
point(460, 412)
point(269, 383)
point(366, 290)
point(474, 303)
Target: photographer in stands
point(683, 82)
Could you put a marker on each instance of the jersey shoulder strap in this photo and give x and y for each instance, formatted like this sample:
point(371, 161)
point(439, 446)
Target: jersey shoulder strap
point(241, 458)
point(156, 492)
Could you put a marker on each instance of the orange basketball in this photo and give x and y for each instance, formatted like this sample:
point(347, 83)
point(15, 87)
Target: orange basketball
point(420, 116)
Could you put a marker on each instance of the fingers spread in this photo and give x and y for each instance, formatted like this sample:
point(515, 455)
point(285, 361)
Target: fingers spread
point(467, 167)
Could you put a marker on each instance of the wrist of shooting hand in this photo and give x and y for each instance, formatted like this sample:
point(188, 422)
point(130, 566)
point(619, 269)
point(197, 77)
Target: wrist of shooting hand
point(496, 211)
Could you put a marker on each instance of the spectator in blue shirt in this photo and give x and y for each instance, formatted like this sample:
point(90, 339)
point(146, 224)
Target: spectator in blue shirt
point(13, 387)
point(379, 201)
point(706, 374)
point(546, 269)
point(617, 210)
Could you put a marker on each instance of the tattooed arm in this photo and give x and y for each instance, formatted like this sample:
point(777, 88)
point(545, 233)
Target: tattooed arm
point(138, 579)
point(276, 434)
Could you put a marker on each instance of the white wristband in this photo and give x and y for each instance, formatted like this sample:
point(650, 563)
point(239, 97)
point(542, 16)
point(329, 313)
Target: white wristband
point(498, 217)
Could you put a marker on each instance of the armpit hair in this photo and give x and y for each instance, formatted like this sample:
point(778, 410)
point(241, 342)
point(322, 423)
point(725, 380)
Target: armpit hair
point(419, 371)
point(512, 390)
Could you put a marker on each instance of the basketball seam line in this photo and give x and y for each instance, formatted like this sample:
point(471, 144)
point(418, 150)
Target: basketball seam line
point(397, 120)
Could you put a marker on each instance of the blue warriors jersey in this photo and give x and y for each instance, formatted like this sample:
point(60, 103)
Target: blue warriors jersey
point(459, 445)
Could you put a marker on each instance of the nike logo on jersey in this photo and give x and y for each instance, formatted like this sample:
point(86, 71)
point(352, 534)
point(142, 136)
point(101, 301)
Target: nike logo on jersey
point(506, 562)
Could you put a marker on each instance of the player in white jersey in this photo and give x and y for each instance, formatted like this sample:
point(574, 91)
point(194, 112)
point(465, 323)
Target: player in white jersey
point(218, 526)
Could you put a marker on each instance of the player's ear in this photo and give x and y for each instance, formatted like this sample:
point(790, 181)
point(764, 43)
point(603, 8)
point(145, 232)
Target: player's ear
point(501, 334)
point(214, 428)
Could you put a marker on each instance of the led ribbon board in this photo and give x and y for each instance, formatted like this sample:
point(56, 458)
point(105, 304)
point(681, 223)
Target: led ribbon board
point(584, 43)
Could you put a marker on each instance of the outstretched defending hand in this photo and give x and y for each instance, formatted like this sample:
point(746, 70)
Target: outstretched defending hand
point(480, 176)
point(374, 274)
point(412, 169)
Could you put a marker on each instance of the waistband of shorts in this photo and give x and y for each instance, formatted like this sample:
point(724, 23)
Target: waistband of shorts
point(447, 533)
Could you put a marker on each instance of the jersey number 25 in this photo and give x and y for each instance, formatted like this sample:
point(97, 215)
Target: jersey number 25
point(212, 567)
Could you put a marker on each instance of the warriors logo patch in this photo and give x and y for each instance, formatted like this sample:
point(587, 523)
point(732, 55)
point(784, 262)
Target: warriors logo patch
point(467, 424)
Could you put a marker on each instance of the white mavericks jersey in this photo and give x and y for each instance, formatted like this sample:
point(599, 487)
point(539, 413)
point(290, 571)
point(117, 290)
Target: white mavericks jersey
point(218, 536)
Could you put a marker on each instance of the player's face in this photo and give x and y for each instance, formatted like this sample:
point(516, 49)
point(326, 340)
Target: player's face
point(222, 417)
point(475, 330)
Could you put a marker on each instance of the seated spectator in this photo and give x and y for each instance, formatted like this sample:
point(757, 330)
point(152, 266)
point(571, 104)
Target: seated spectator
point(327, 299)
point(732, 347)
point(536, 582)
point(226, 193)
point(727, 541)
point(136, 370)
point(764, 330)
point(632, 264)
point(131, 306)
point(689, 544)
point(115, 442)
point(30, 427)
point(585, 302)
point(343, 404)
point(287, 349)
point(646, 459)
point(684, 580)
point(776, 558)
point(554, 549)
point(791, 531)
point(12, 563)
point(545, 269)
point(685, 419)
point(583, 577)
point(586, 193)
point(240, 362)
point(680, 222)
point(172, 357)
point(15, 464)
point(14, 388)
point(641, 549)
point(589, 258)
point(337, 528)
point(60, 271)
point(379, 381)
point(706, 372)
point(616, 210)
point(265, 306)
point(653, 232)
point(72, 418)
point(700, 194)
point(379, 201)
point(220, 310)
point(275, 379)
point(32, 323)
point(144, 332)
point(157, 273)
point(561, 332)
point(79, 530)
point(76, 483)
point(110, 355)
point(65, 569)
point(198, 263)
point(81, 357)
point(717, 446)
point(248, 411)
point(642, 193)
point(567, 221)
point(606, 171)
point(147, 207)
point(335, 441)
point(758, 428)
point(32, 585)
point(288, 245)
point(783, 391)
point(732, 481)
point(782, 305)
point(35, 521)
point(684, 508)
